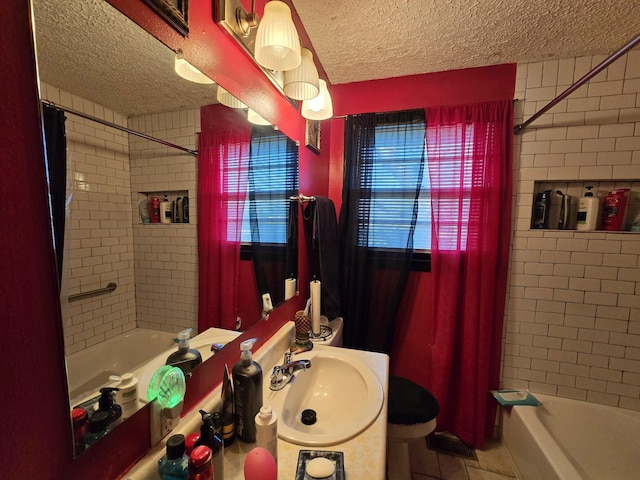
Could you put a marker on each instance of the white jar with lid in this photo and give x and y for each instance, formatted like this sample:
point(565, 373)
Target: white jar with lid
point(267, 430)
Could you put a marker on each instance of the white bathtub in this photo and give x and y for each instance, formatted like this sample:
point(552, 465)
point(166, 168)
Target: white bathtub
point(138, 351)
point(572, 440)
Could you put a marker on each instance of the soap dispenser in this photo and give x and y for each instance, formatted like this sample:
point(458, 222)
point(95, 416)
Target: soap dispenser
point(107, 403)
point(247, 392)
point(185, 358)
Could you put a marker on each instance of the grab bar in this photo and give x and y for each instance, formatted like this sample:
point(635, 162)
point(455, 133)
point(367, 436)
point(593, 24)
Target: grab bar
point(111, 286)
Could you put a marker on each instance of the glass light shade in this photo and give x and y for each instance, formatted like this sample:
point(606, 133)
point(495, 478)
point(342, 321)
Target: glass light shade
point(256, 119)
point(320, 107)
point(302, 83)
point(189, 72)
point(228, 100)
point(277, 43)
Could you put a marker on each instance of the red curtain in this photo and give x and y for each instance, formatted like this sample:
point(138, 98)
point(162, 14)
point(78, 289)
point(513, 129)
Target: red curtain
point(223, 165)
point(469, 152)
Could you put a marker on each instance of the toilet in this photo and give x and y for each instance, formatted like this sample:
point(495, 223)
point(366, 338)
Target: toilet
point(411, 416)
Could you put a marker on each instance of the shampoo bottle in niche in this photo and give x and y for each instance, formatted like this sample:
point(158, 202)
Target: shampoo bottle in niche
point(154, 209)
point(186, 359)
point(541, 210)
point(165, 210)
point(185, 209)
point(614, 210)
point(587, 217)
point(247, 392)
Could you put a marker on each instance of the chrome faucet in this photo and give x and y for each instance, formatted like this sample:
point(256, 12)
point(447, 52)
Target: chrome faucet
point(283, 374)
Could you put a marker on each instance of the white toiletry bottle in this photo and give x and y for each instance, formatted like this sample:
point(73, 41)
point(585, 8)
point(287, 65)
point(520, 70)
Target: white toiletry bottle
point(267, 430)
point(165, 210)
point(127, 395)
point(587, 218)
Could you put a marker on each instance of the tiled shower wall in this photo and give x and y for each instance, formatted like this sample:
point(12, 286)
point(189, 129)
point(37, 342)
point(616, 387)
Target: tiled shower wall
point(573, 311)
point(166, 255)
point(99, 236)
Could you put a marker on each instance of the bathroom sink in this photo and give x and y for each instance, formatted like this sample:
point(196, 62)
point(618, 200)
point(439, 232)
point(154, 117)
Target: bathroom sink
point(344, 393)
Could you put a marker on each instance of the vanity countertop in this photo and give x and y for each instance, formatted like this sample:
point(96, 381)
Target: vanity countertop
point(364, 455)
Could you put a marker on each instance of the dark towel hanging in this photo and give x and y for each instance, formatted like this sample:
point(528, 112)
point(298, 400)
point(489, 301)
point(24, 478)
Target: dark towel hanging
point(321, 233)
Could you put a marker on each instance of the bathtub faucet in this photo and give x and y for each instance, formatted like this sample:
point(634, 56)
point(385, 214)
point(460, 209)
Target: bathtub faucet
point(283, 374)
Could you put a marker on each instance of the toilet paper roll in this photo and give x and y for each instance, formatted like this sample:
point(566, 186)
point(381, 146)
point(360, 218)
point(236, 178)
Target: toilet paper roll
point(315, 307)
point(289, 288)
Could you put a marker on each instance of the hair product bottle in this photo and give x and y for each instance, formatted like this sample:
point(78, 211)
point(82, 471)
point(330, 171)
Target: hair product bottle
point(247, 392)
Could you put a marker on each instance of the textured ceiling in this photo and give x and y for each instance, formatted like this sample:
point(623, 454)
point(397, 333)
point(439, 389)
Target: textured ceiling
point(86, 47)
point(360, 40)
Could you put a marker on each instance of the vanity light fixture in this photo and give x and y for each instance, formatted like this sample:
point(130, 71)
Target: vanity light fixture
point(188, 71)
point(256, 119)
point(320, 107)
point(275, 47)
point(302, 83)
point(228, 100)
point(277, 42)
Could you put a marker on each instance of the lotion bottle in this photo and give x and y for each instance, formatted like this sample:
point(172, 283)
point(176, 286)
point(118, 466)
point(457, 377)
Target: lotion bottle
point(247, 392)
point(267, 430)
point(165, 210)
point(587, 218)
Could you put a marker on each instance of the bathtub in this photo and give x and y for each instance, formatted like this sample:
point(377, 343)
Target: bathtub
point(139, 351)
point(572, 440)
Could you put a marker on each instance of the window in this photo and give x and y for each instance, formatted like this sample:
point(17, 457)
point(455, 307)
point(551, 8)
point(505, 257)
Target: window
point(397, 152)
point(273, 178)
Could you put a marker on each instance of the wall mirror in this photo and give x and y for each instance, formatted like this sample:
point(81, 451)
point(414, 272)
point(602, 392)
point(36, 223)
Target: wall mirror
point(95, 61)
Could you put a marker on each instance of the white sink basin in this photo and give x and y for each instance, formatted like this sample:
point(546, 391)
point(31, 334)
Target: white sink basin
point(344, 393)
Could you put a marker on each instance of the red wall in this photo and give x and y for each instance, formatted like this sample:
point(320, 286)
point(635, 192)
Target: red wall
point(417, 91)
point(36, 430)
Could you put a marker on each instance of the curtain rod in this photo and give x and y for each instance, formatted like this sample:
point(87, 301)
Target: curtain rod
point(118, 127)
point(518, 129)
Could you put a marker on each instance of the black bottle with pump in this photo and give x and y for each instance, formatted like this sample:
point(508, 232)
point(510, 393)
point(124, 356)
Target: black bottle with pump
point(247, 392)
point(107, 403)
point(185, 358)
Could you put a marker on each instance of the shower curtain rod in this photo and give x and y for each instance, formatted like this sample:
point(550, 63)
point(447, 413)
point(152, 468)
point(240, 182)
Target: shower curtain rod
point(518, 129)
point(118, 127)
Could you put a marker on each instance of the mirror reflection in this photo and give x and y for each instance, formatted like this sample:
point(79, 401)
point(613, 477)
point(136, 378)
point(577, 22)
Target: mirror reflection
point(106, 72)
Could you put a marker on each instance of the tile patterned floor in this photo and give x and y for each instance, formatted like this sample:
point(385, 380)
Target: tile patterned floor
point(494, 463)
